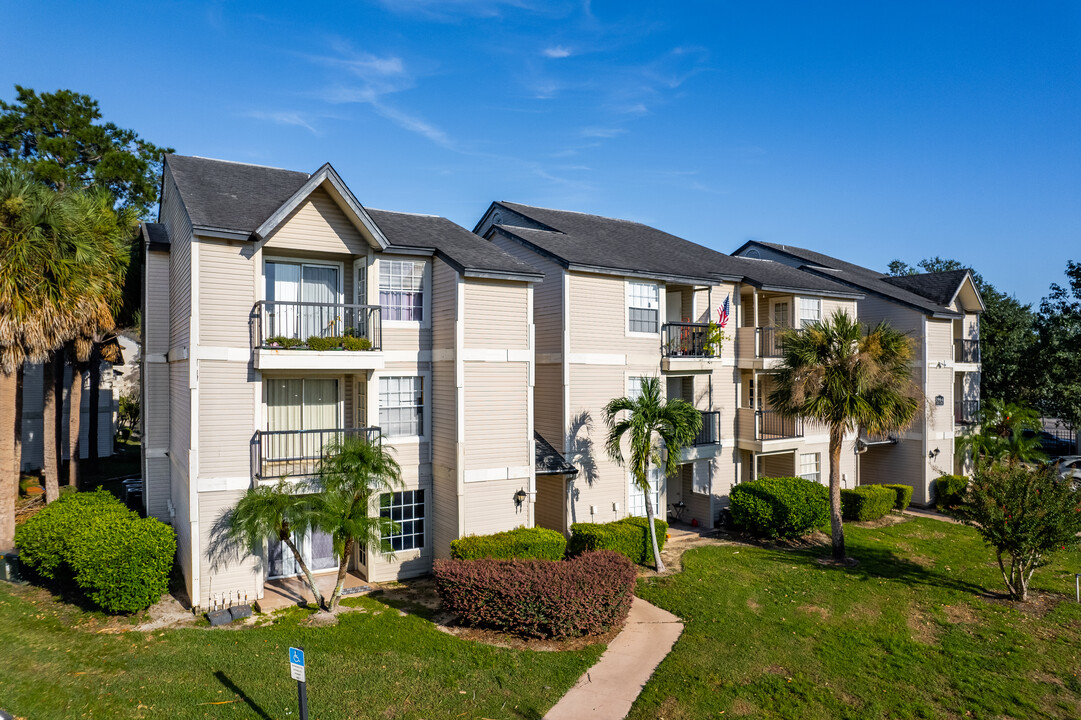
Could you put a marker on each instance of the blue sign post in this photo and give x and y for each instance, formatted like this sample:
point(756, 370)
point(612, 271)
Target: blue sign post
point(297, 671)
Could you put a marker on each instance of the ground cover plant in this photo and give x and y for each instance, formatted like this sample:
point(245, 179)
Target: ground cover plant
point(376, 663)
point(917, 630)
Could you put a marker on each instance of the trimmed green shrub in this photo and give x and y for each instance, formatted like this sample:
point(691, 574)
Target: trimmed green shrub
point(904, 495)
point(867, 502)
point(356, 343)
point(285, 342)
point(784, 507)
point(120, 561)
point(628, 537)
point(539, 598)
point(950, 491)
point(323, 343)
point(522, 543)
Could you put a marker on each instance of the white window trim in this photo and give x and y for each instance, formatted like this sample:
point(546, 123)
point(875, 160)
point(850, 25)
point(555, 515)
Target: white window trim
point(373, 404)
point(818, 466)
point(426, 290)
point(799, 305)
point(661, 300)
point(425, 538)
point(306, 261)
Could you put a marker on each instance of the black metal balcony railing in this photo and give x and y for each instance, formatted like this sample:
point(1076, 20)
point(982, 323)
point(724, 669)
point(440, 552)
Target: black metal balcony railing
point(966, 412)
point(298, 453)
point(769, 425)
point(686, 340)
point(966, 351)
point(289, 325)
point(710, 434)
point(770, 341)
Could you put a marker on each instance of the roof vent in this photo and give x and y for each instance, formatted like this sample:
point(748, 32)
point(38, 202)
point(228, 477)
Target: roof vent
point(753, 253)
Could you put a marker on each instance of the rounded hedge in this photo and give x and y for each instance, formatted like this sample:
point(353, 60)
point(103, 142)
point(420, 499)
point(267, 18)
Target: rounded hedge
point(950, 491)
point(783, 507)
point(120, 561)
point(628, 537)
point(867, 502)
point(539, 598)
point(524, 543)
point(904, 495)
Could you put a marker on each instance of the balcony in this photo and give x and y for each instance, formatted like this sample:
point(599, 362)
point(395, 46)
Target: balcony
point(770, 425)
point(686, 340)
point(761, 346)
point(966, 412)
point(710, 434)
point(307, 335)
point(966, 351)
point(298, 453)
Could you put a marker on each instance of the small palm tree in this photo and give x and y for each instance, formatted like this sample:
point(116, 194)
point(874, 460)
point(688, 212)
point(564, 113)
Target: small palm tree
point(653, 426)
point(848, 377)
point(274, 512)
point(1008, 432)
point(353, 476)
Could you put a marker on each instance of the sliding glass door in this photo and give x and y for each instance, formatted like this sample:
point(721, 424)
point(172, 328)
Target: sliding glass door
point(315, 546)
point(290, 288)
point(302, 416)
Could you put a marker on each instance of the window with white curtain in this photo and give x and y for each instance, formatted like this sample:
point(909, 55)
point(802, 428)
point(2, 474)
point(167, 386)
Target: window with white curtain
point(299, 404)
point(401, 406)
point(302, 300)
point(401, 289)
point(634, 387)
point(643, 307)
point(406, 511)
point(810, 311)
point(809, 467)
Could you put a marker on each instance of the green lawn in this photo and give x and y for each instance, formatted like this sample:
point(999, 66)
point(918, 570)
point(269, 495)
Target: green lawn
point(912, 632)
point(375, 664)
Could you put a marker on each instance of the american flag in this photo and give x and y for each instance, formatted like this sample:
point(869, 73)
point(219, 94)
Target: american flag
point(722, 312)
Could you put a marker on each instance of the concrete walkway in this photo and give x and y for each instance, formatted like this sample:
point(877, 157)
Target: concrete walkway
point(932, 514)
point(609, 688)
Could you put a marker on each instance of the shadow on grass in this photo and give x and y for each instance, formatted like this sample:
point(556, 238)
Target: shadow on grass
point(232, 687)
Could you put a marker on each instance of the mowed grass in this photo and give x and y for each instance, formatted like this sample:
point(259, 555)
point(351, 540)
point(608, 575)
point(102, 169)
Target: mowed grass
point(374, 664)
point(915, 631)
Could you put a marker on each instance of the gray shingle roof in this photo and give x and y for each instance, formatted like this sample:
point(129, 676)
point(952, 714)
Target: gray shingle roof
point(461, 248)
point(592, 240)
point(939, 287)
point(156, 236)
point(240, 197)
point(548, 459)
point(871, 280)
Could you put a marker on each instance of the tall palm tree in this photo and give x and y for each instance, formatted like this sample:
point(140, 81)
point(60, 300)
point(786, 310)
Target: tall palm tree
point(847, 377)
point(353, 476)
point(653, 426)
point(273, 512)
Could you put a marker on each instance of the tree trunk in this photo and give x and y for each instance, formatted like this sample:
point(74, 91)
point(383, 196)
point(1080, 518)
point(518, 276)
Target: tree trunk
point(307, 573)
point(75, 414)
point(652, 525)
point(341, 574)
point(18, 435)
point(836, 528)
point(49, 466)
point(95, 399)
point(9, 464)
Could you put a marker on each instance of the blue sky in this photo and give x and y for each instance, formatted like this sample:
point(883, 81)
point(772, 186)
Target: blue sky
point(866, 130)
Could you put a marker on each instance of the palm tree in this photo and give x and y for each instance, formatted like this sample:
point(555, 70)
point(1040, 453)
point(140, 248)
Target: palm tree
point(1008, 432)
point(353, 476)
point(846, 376)
point(653, 426)
point(275, 512)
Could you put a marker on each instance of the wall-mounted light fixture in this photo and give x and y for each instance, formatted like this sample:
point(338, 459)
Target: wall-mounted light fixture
point(933, 454)
point(519, 497)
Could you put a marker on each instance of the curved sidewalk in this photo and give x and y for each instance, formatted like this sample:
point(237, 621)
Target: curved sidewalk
point(608, 689)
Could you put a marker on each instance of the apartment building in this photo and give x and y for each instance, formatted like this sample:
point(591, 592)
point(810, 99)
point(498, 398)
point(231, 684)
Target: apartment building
point(940, 312)
point(279, 314)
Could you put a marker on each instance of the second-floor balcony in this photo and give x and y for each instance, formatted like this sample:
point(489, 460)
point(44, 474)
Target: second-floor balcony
point(762, 343)
point(298, 453)
point(966, 412)
point(966, 351)
point(771, 425)
point(297, 335)
point(686, 340)
point(710, 434)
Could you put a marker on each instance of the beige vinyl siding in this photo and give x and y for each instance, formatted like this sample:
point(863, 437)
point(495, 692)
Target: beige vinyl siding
point(783, 465)
point(179, 228)
point(496, 314)
point(444, 500)
point(226, 293)
point(599, 481)
point(410, 339)
point(156, 308)
point(547, 295)
point(444, 304)
point(226, 418)
point(550, 510)
point(698, 506)
point(156, 481)
point(939, 340)
point(873, 310)
point(548, 403)
point(496, 426)
point(222, 575)
point(598, 317)
point(179, 412)
point(940, 382)
point(490, 506)
point(900, 464)
point(318, 225)
point(155, 411)
point(832, 305)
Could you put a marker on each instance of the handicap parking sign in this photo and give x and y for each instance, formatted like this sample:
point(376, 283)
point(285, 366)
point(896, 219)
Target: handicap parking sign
point(296, 664)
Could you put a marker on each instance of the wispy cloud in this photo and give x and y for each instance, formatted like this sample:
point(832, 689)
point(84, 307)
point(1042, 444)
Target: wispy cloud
point(602, 132)
point(286, 117)
point(452, 10)
point(557, 51)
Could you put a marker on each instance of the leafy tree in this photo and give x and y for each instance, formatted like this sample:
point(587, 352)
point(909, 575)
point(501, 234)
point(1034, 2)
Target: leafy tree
point(1007, 434)
point(267, 512)
point(1023, 513)
point(847, 377)
point(1058, 349)
point(353, 477)
point(652, 426)
point(1007, 334)
point(60, 139)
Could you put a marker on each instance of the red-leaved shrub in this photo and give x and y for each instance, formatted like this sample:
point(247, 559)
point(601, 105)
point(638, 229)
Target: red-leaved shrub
point(539, 598)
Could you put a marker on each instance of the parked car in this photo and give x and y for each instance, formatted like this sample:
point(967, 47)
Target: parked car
point(1069, 468)
point(1052, 446)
